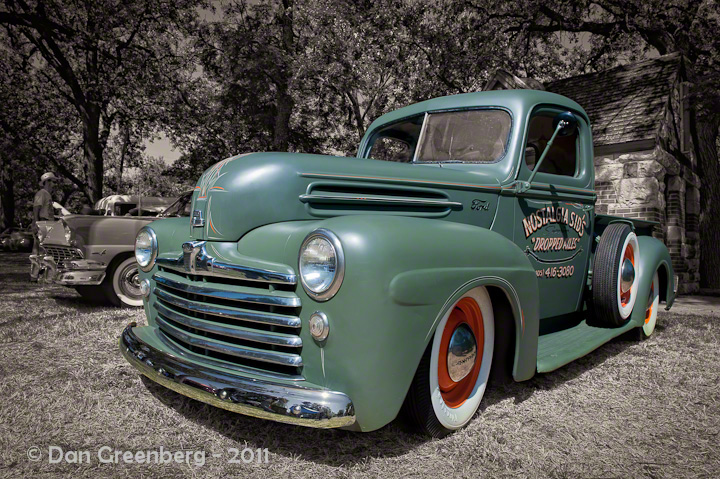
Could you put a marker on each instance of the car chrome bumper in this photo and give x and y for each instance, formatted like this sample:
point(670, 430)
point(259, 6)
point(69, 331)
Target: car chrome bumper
point(75, 272)
point(293, 404)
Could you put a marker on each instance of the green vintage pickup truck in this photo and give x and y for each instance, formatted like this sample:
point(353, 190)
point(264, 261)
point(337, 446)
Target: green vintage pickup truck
point(460, 247)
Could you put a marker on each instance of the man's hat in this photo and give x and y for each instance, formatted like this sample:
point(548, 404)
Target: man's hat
point(48, 176)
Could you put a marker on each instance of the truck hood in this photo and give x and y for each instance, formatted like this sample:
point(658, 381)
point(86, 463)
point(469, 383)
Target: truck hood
point(244, 192)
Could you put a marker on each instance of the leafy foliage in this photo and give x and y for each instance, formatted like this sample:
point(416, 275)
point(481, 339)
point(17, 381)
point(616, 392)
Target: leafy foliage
point(109, 61)
point(301, 75)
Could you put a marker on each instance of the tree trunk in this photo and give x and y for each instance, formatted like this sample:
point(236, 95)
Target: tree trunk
point(123, 153)
point(284, 105)
point(359, 124)
point(706, 148)
point(7, 195)
point(284, 102)
point(93, 155)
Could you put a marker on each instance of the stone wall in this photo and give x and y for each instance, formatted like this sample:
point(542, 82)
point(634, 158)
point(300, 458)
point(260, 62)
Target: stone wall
point(652, 185)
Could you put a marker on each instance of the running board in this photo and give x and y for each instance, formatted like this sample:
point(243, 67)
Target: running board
point(562, 347)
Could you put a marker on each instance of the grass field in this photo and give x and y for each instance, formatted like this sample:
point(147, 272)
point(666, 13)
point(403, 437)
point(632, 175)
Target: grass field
point(629, 409)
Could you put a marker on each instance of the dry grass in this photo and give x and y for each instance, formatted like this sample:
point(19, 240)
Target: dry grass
point(648, 409)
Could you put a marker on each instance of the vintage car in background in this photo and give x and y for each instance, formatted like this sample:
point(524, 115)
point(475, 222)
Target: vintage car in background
point(121, 205)
point(16, 239)
point(94, 254)
point(460, 246)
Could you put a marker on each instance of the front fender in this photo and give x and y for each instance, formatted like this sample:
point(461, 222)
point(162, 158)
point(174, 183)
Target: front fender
point(653, 255)
point(401, 275)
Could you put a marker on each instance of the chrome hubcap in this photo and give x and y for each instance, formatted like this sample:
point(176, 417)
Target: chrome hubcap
point(130, 281)
point(462, 352)
point(627, 276)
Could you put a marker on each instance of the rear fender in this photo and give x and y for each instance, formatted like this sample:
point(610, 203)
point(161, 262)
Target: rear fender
point(653, 256)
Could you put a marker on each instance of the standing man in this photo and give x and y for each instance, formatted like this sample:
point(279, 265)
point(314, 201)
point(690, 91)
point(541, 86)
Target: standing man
point(42, 211)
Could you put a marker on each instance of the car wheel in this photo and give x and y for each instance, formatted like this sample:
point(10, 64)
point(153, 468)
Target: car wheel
point(651, 310)
point(122, 284)
point(614, 272)
point(453, 373)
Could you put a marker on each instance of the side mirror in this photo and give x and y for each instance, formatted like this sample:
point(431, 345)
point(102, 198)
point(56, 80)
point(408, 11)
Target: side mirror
point(569, 123)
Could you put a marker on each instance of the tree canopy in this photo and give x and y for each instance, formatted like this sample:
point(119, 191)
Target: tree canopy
point(109, 61)
point(87, 84)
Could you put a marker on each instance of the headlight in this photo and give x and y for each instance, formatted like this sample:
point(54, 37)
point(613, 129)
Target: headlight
point(146, 248)
point(321, 264)
point(68, 232)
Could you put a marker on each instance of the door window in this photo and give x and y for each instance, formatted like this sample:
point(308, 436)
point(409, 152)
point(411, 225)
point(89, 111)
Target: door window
point(561, 159)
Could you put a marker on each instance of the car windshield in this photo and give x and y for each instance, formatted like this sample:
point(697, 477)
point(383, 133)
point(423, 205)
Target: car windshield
point(181, 206)
point(467, 136)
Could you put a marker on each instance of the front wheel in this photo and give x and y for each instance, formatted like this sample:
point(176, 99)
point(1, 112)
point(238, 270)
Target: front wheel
point(122, 284)
point(453, 373)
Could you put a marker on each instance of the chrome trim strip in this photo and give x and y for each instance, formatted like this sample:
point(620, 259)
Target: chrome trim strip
point(80, 278)
point(228, 312)
point(244, 352)
point(288, 403)
point(205, 264)
point(177, 349)
point(247, 273)
point(217, 291)
point(230, 330)
point(377, 199)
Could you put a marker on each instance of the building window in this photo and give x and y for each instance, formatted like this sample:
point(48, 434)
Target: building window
point(685, 139)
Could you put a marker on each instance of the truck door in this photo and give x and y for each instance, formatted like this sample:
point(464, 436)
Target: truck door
point(553, 218)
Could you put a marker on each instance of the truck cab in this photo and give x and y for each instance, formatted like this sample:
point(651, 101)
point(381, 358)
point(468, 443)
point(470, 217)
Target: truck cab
point(459, 245)
point(553, 217)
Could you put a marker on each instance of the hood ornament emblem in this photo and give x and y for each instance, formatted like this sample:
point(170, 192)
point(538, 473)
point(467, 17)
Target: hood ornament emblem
point(197, 219)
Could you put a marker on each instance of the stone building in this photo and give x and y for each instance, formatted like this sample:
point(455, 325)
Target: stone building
point(644, 165)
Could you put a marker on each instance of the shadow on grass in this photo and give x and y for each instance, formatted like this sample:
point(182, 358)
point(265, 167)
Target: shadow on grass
point(333, 447)
point(74, 301)
point(344, 448)
point(522, 391)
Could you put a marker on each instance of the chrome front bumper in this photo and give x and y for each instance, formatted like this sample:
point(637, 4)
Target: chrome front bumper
point(75, 272)
point(293, 404)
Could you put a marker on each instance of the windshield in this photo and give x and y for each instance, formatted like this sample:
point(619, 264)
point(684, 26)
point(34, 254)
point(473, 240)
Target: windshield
point(181, 206)
point(468, 136)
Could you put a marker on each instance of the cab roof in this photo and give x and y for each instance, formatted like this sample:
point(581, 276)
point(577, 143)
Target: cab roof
point(517, 101)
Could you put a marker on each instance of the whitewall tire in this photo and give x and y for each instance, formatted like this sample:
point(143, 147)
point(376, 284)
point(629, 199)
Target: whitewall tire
point(122, 284)
point(452, 377)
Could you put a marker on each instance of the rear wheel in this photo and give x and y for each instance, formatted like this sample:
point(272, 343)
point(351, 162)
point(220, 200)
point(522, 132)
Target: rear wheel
point(453, 373)
point(122, 284)
point(651, 309)
point(614, 286)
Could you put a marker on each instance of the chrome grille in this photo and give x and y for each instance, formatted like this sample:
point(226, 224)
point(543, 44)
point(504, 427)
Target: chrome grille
point(61, 253)
point(253, 326)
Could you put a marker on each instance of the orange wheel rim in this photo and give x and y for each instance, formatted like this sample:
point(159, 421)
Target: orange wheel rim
point(629, 254)
point(466, 311)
